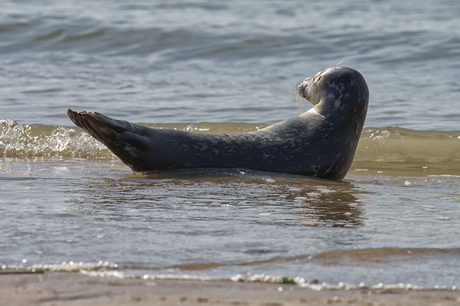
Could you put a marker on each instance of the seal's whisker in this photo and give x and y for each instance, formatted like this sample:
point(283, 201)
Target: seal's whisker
point(298, 99)
point(340, 62)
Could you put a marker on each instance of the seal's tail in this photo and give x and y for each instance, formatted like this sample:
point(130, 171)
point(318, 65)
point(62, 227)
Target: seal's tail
point(124, 139)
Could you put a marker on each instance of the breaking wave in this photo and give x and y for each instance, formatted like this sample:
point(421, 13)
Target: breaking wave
point(18, 140)
point(388, 144)
point(396, 144)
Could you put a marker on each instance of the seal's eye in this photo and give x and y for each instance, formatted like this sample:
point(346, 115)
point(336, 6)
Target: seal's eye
point(319, 78)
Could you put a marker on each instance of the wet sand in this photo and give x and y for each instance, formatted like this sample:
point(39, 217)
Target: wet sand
point(77, 289)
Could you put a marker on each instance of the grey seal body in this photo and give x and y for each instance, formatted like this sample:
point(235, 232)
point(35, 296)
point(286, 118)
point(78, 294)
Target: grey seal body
point(320, 142)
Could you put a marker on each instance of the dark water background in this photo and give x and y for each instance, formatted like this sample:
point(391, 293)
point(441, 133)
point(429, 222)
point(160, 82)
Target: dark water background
point(66, 200)
point(238, 61)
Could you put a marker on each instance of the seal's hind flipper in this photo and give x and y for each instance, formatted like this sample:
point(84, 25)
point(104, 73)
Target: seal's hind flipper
point(124, 139)
point(99, 129)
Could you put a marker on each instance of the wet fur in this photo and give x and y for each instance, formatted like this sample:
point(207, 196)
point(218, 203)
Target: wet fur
point(320, 142)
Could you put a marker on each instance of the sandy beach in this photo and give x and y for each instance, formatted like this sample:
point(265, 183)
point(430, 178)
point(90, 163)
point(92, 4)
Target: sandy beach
point(77, 289)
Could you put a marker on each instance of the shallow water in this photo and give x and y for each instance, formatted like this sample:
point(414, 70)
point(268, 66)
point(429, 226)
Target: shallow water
point(392, 220)
point(68, 203)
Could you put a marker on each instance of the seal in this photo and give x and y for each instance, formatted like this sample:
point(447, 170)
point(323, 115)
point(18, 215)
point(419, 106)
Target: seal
point(320, 143)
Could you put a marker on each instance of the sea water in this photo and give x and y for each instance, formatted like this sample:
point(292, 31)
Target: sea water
point(68, 204)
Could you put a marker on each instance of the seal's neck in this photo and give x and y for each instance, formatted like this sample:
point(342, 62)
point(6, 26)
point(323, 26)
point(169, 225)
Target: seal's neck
point(329, 106)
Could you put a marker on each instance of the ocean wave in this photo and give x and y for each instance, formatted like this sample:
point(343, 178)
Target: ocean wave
point(18, 140)
point(396, 144)
point(387, 144)
point(228, 41)
point(173, 44)
point(376, 256)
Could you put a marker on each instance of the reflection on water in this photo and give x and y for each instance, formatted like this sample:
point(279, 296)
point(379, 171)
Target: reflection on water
point(328, 204)
point(214, 221)
point(295, 200)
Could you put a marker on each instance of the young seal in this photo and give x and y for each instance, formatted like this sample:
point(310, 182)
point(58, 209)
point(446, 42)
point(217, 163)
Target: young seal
point(320, 142)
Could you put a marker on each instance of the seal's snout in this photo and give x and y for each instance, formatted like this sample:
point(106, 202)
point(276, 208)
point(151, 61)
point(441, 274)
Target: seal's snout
point(301, 92)
point(302, 88)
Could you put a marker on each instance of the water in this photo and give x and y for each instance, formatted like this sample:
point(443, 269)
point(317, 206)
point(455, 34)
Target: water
point(69, 204)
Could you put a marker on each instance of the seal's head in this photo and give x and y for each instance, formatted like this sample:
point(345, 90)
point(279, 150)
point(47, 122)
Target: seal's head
point(337, 89)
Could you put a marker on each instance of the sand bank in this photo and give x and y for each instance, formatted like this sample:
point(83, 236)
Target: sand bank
point(77, 289)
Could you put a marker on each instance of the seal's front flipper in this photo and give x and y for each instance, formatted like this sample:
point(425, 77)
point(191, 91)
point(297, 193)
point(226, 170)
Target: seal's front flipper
point(124, 139)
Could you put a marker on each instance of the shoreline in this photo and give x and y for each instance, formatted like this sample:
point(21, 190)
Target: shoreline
point(64, 288)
